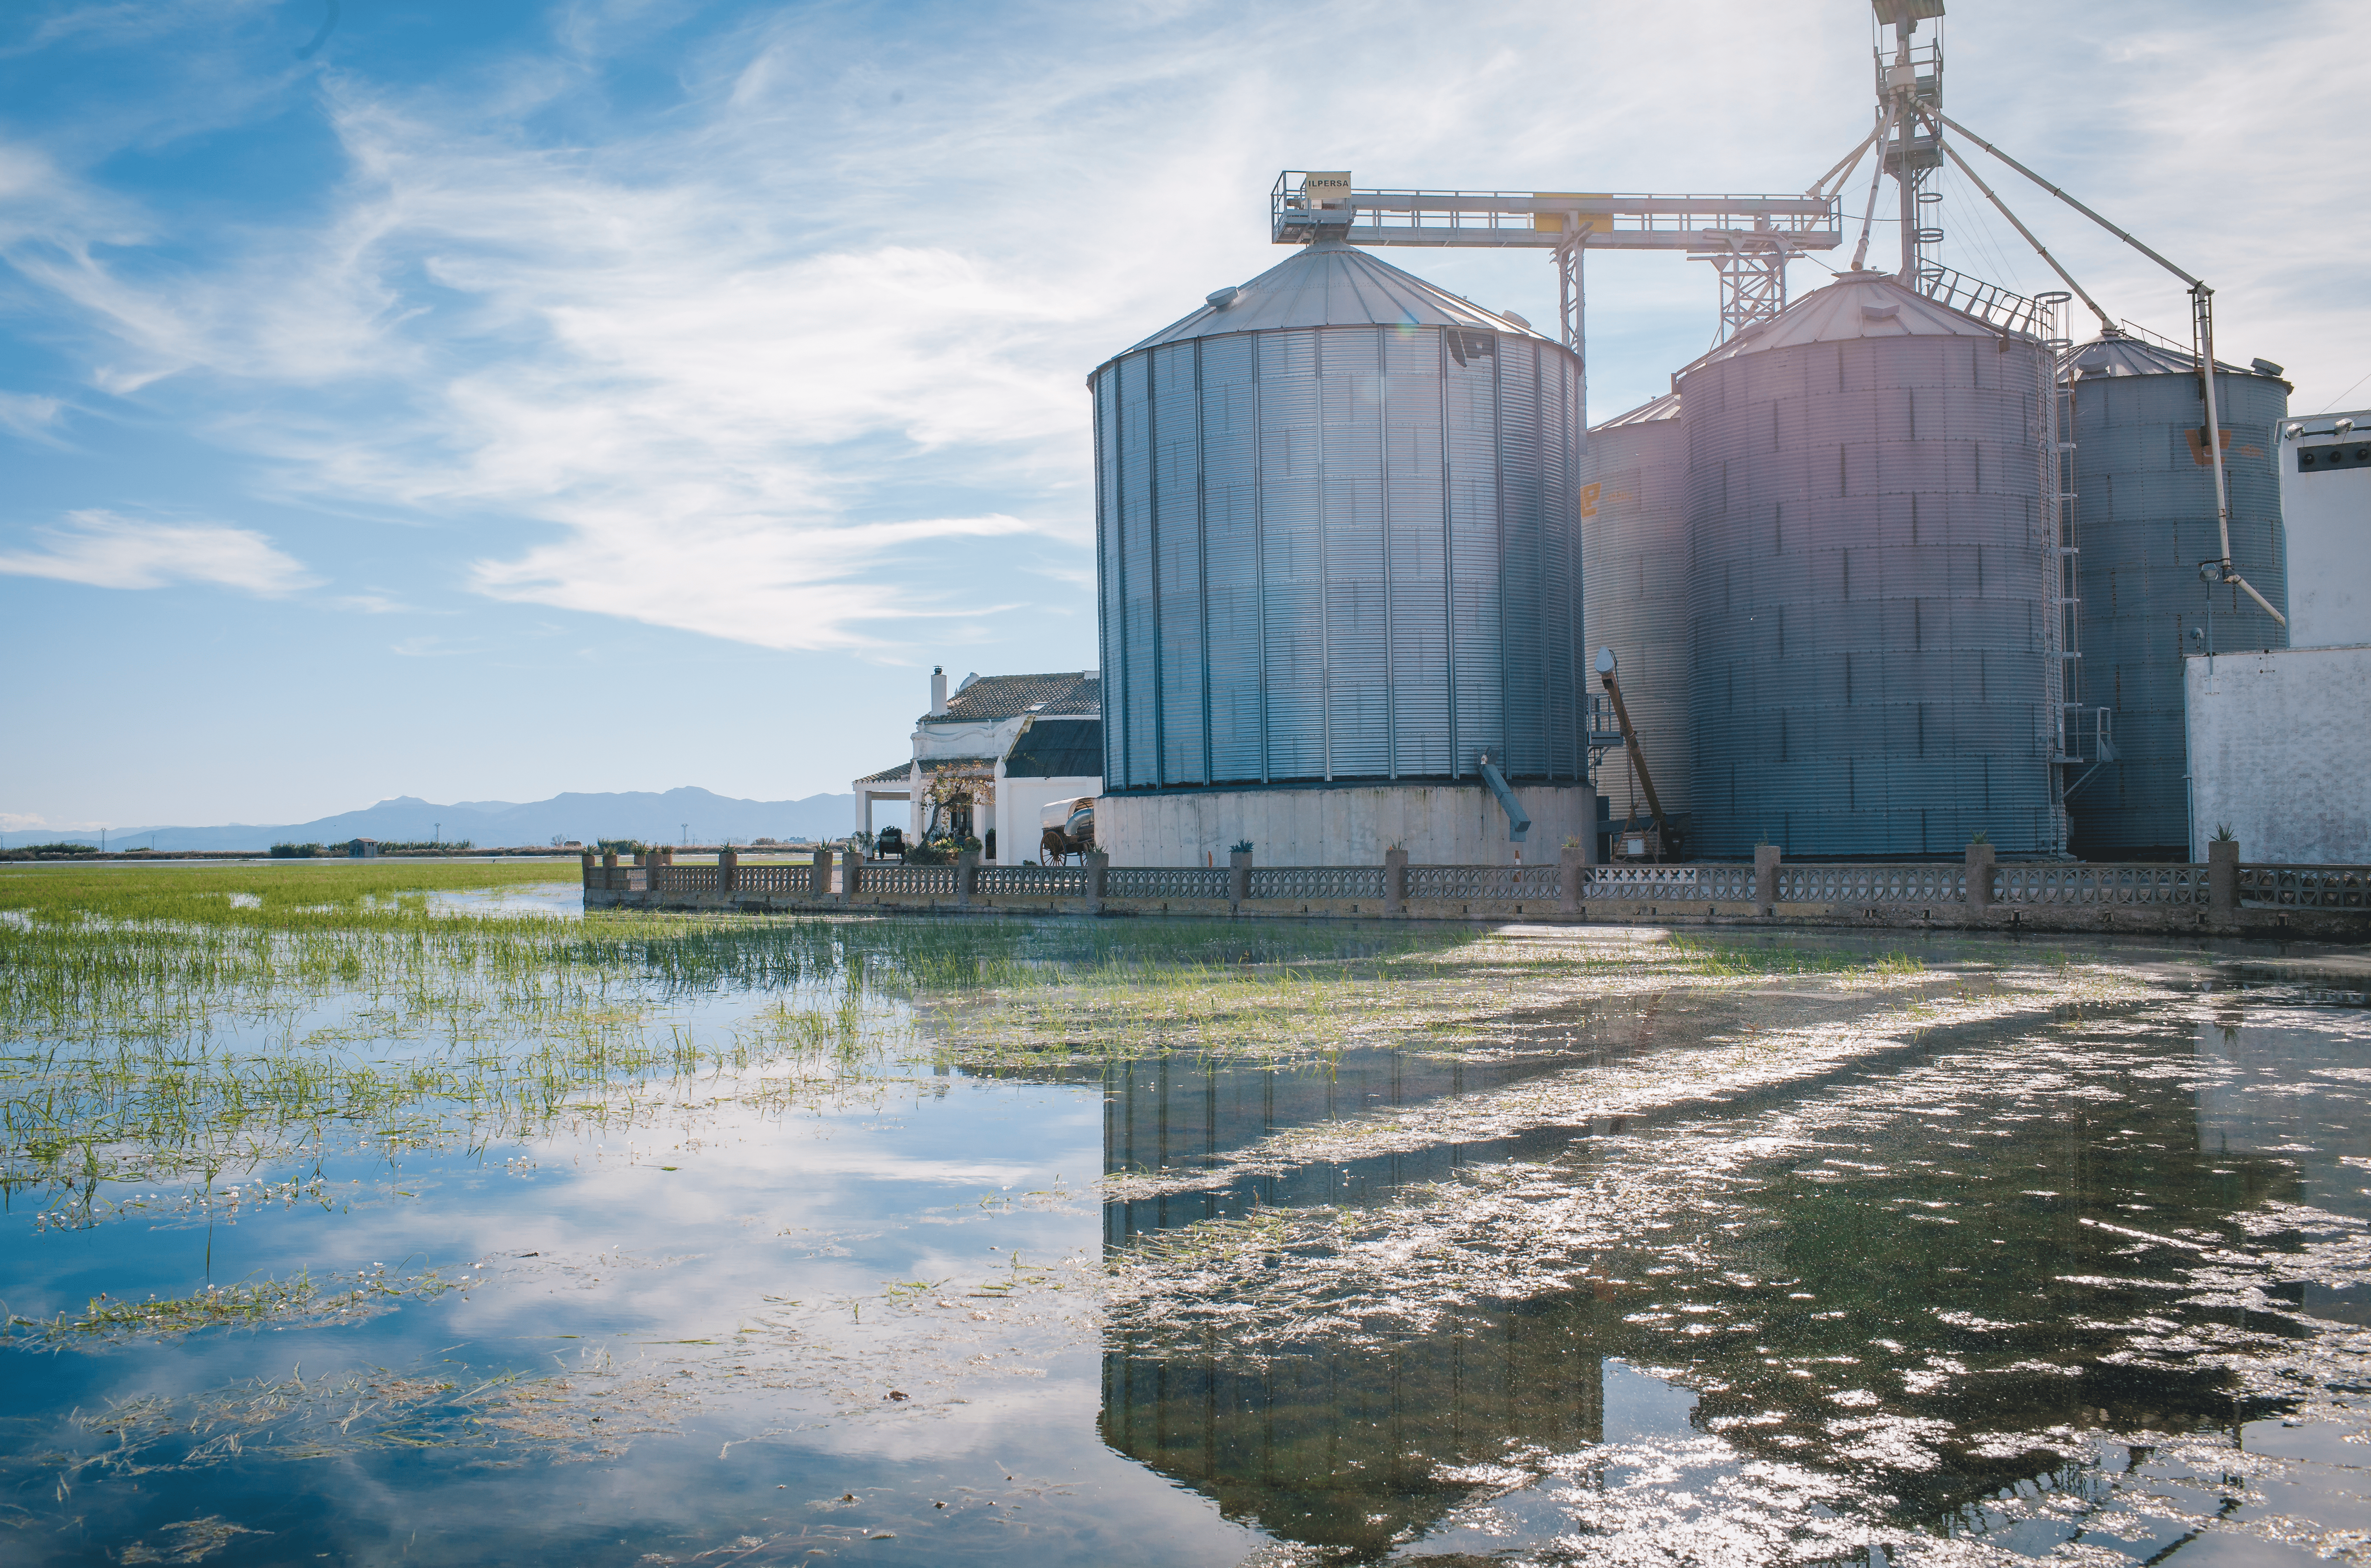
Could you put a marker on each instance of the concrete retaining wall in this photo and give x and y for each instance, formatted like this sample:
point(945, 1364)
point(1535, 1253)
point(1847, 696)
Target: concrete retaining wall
point(1437, 824)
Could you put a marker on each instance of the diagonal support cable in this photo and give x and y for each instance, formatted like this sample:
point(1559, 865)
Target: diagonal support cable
point(2106, 323)
point(2123, 235)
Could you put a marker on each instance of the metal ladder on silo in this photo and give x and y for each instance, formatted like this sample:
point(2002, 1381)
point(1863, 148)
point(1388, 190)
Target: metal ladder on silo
point(2084, 731)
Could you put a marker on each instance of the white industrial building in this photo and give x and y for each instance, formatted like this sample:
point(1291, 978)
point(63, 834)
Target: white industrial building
point(2280, 739)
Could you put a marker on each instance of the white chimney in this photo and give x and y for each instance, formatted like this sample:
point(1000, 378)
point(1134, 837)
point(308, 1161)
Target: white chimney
point(938, 688)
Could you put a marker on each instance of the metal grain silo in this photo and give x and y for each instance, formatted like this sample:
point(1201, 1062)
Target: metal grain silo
point(2145, 512)
point(1634, 530)
point(1338, 546)
point(1874, 649)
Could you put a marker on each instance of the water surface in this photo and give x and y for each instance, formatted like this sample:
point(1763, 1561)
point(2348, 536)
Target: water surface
point(841, 1243)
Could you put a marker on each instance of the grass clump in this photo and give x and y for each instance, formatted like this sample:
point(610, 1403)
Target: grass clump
point(298, 1299)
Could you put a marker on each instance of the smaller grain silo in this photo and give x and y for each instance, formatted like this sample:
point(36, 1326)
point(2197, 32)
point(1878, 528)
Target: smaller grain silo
point(1872, 581)
point(2146, 521)
point(1634, 527)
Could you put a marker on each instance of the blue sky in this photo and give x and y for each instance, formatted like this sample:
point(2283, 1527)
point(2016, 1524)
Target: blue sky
point(478, 402)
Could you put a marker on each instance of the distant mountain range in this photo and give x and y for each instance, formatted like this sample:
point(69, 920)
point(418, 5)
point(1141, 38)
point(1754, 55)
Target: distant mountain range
point(654, 818)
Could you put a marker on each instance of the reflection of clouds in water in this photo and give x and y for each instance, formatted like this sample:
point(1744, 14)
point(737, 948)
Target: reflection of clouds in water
point(1744, 1305)
point(561, 900)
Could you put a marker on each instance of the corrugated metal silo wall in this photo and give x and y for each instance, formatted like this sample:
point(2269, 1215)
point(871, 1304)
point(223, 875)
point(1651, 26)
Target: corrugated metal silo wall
point(1867, 594)
point(2145, 505)
point(1634, 526)
point(1339, 552)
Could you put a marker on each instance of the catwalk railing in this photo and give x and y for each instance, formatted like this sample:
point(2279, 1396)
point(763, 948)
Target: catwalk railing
point(1935, 891)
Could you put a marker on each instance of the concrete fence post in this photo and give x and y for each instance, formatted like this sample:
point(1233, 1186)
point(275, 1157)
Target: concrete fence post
point(1765, 877)
point(1394, 881)
point(1980, 876)
point(852, 874)
point(1572, 878)
point(589, 864)
point(967, 875)
point(2223, 882)
point(819, 878)
point(611, 878)
point(1098, 864)
point(1239, 879)
point(728, 867)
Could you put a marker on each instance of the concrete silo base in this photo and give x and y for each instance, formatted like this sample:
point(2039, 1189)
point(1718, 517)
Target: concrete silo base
point(1350, 825)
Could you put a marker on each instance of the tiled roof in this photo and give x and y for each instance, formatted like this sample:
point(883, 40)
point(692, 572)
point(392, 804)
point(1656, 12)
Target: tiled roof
point(931, 765)
point(1057, 749)
point(1009, 696)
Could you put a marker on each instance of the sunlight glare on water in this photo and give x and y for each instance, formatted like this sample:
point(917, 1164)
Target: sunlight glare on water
point(385, 1217)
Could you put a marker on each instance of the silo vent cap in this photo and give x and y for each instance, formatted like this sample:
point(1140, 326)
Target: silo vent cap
point(2263, 367)
point(1220, 299)
point(1880, 312)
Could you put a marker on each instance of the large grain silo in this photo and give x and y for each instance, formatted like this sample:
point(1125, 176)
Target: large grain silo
point(2145, 520)
point(1633, 530)
point(1874, 649)
point(1339, 565)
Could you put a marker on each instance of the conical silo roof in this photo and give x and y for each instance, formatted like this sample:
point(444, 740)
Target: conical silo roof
point(1857, 305)
point(1330, 283)
point(2124, 356)
point(1653, 409)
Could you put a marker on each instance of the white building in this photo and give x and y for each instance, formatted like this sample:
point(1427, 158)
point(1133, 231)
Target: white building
point(2280, 739)
point(979, 758)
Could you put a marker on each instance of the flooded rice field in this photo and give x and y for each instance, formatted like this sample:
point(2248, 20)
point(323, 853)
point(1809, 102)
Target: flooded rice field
point(394, 1214)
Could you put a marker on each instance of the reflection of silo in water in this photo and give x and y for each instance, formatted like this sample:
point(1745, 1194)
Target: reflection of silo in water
point(1336, 1443)
point(1634, 527)
point(2145, 505)
point(1872, 571)
point(1343, 1444)
point(1180, 1113)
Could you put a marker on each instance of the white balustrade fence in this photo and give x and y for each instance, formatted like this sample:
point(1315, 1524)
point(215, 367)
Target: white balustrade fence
point(1317, 882)
point(2305, 886)
point(2099, 885)
point(1161, 882)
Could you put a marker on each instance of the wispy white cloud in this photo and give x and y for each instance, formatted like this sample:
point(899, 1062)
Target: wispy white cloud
point(374, 602)
point(32, 417)
point(105, 550)
point(427, 646)
point(758, 365)
point(754, 579)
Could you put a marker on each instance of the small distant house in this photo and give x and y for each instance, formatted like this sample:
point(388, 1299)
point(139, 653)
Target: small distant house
point(362, 849)
point(963, 778)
